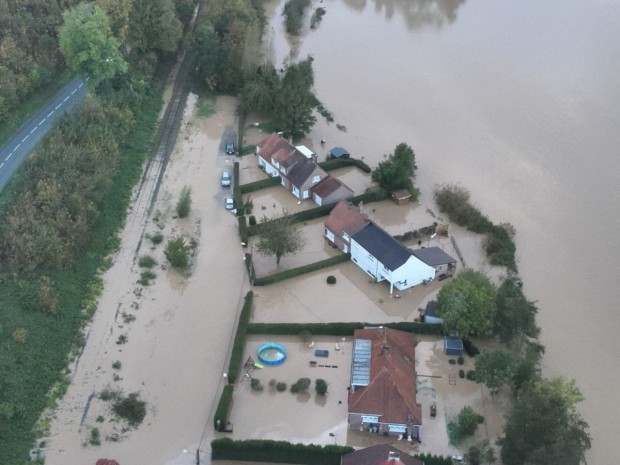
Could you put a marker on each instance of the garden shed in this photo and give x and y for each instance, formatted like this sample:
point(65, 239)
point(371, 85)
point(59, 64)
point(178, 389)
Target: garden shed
point(453, 346)
point(339, 152)
point(401, 197)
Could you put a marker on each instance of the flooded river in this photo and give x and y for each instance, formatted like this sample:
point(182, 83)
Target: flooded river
point(520, 102)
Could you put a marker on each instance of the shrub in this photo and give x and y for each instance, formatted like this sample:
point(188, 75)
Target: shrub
point(301, 385)
point(130, 408)
point(471, 375)
point(339, 329)
point(256, 385)
point(294, 12)
point(48, 297)
point(185, 202)
point(272, 383)
point(146, 277)
point(146, 261)
point(469, 348)
point(280, 386)
point(95, 438)
point(252, 220)
point(461, 374)
point(117, 365)
point(331, 279)
point(156, 238)
point(108, 394)
point(177, 253)
point(335, 163)
point(122, 339)
point(291, 273)
point(243, 230)
point(452, 361)
point(320, 386)
point(460, 360)
point(464, 425)
point(317, 16)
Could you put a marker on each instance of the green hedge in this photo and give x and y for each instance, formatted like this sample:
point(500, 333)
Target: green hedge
point(236, 357)
point(262, 450)
point(336, 163)
point(243, 230)
point(430, 459)
point(237, 196)
point(287, 274)
point(223, 407)
point(262, 184)
point(339, 329)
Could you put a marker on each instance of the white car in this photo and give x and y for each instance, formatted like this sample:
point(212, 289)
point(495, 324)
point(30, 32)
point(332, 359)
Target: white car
point(225, 179)
point(229, 203)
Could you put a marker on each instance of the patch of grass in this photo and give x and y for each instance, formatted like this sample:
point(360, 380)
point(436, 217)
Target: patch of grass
point(122, 339)
point(156, 238)
point(146, 261)
point(205, 107)
point(185, 202)
point(146, 277)
point(128, 317)
point(117, 365)
point(95, 438)
point(130, 408)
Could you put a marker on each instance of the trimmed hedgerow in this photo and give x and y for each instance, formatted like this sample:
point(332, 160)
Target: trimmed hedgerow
point(262, 184)
point(338, 329)
point(287, 274)
point(263, 450)
point(237, 195)
point(243, 230)
point(239, 344)
point(336, 163)
point(223, 407)
point(430, 459)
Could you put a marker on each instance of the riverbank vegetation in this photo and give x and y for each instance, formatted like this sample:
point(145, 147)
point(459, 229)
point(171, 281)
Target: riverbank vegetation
point(397, 170)
point(67, 202)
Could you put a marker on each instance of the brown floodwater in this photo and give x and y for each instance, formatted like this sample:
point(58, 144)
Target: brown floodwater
point(519, 102)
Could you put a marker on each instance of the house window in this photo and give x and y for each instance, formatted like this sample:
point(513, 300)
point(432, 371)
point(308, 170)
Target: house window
point(316, 179)
point(346, 237)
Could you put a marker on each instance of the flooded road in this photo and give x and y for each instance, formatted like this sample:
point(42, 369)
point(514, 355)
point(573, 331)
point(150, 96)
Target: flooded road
point(518, 102)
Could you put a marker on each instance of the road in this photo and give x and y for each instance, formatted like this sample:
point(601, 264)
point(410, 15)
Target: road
point(18, 147)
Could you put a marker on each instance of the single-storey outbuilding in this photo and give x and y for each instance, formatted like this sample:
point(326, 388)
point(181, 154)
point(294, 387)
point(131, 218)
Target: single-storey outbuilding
point(437, 258)
point(453, 346)
point(430, 314)
point(339, 152)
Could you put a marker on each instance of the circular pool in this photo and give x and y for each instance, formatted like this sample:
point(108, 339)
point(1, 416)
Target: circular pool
point(271, 353)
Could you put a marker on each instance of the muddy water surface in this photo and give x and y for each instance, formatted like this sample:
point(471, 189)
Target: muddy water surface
point(519, 102)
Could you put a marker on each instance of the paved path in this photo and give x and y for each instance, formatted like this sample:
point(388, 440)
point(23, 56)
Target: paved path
point(18, 147)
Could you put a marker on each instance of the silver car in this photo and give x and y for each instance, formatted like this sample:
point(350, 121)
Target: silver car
point(225, 179)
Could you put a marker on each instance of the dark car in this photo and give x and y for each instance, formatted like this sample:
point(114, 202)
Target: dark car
point(230, 148)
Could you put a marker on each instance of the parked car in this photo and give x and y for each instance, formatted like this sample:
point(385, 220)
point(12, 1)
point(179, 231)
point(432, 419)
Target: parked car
point(230, 148)
point(229, 203)
point(225, 179)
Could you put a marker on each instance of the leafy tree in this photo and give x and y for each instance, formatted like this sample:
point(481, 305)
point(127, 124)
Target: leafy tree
point(185, 202)
point(467, 304)
point(294, 11)
point(279, 236)
point(296, 101)
point(544, 427)
point(494, 368)
point(155, 26)
point(118, 16)
point(481, 453)
point(177, 253)
point(515, 318)
point(464, 425)
point(260, 91)
point(526, 367)
point(320, 386)
point(87, 43)
point(396, 170)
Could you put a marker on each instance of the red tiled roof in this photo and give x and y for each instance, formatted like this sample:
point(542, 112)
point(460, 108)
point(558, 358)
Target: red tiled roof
point(379, 454)
point(272, 144)
point(345, 217)
point(391, 391)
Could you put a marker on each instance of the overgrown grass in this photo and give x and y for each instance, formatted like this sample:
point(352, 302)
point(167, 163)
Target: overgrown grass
point(30, 369)
point(205, 107)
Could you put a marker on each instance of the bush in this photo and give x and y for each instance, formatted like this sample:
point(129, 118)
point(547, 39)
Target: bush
point(469, 348)
point(146, 277)
point(221, 413)
point(243, 230)
point(185, 202)
point(95, 438)
point(331, 279)
point(281, 387)
point(236, 356)
point(294, 12)
point(336, 163)
point(301, 385)
point(464, 425)
point(117, 365)
point(156, 238)
point(461, 374)
point(146, 261)
point(452, 361)
point(177, 253)
point(320, 386)
point(460, 360)
point(471, 375)
point(262, 184)
point(339, 329)
point(131, 408)
point(430, 459)
point(256, 385)
point(252, 220)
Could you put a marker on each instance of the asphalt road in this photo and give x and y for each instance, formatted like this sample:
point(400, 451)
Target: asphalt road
point(18, 147)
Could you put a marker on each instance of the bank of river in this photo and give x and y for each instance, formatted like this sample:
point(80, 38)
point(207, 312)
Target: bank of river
point(519, 102)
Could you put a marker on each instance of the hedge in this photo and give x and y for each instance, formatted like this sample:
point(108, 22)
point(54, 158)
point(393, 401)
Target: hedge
point(339, 329)
point(287, 274)
point(430, 459)
point(237, 197)
point(236, 357)
point(336, 163)
point(223, 407)
point(243, 230)
point(263, 450)
point(262, 184)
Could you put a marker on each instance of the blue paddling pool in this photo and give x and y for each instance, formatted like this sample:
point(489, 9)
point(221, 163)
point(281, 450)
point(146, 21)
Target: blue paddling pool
point(271, 353)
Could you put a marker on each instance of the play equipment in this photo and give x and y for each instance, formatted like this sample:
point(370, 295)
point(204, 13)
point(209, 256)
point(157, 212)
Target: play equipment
point(271, 353)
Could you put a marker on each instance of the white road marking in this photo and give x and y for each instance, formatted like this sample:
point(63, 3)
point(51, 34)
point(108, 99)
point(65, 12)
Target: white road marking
point(66, 98)
point(1, 165)
point(16, 147)
point(50, 113)
point(33, 130)
point(58, 106)
point(81, 84)
point(9, 157)
point(25, 139)
point(74, 91)
point(41, 122)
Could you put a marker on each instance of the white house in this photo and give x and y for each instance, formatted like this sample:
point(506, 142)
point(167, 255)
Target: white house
point(386, 259)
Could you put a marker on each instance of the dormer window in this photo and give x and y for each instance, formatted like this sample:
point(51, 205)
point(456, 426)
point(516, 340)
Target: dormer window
point(316, 179)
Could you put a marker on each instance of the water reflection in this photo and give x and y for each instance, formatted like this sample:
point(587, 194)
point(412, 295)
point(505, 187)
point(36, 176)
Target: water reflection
point(417, 13)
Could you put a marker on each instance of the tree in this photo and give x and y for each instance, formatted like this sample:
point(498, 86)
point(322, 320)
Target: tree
point(464, 425)
point(260, 91)
point(467, 305)
point(155, 26)
point(320, 386)
point(494, 368)
point(177, 253)
point(515, 318)
point(396, 170)
point(544, 427)
point(185, 202)
point(87, 43)
point(279, 237)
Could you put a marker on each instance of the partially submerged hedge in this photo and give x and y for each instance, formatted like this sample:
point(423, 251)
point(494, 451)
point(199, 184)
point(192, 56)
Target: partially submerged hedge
point(339, 329)
point(287, 274)
point(430, 459)
point(236, 357)
point(262, 184)
point(237, 196)
point(336, 163)
point(223, 407)
point(243, 230)
point(263, 450)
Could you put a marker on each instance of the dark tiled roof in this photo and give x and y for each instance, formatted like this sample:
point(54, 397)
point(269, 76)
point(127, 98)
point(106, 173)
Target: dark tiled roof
point(338, 152)
point(345, 217)
point(391, 253)
point(431, 309)
point(433, 256)
point(391, 391)
point(379, 455)
point(302, 170)
point(327, 186)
